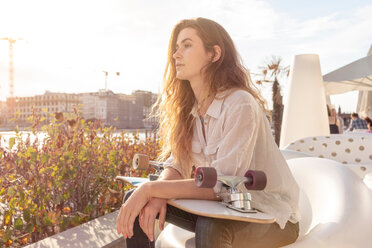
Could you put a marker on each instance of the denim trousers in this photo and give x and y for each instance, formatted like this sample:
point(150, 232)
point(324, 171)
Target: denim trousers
point(220, 233)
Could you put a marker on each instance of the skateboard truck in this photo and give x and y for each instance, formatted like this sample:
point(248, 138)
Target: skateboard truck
point(142, 162)
point(206, 177)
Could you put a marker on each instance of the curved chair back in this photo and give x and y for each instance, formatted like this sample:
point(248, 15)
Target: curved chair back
point(349, 148)
point(340, 205)
point(335, 206)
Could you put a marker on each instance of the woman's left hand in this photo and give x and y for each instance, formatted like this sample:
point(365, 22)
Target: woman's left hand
point(131, 209)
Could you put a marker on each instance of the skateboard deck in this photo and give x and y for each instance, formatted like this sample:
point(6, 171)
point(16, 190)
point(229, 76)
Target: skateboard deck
point(134, 181)
point(207, 208)
point(215, 209)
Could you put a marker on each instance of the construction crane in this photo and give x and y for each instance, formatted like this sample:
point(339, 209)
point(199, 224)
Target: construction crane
point(11, 72)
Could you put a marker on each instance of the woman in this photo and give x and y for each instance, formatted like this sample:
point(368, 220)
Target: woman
point(210, 115)
point(334, 123)
point(369, 124)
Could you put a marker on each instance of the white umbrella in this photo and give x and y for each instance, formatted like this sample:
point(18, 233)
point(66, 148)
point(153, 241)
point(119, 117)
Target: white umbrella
point(364, 107)
point(354, 76)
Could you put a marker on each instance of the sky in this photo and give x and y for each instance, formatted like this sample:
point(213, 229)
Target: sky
point(66, 45)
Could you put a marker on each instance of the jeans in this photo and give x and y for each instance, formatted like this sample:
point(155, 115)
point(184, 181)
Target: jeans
point(219, 233)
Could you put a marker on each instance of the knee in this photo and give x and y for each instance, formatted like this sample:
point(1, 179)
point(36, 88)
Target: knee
point(205, 224)
point(211, 232)
point(127, 195)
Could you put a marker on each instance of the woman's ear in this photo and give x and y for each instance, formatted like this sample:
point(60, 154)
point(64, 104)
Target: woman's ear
point(217, 53)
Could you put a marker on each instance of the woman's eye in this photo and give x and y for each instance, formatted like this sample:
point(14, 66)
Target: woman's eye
point(187, 45)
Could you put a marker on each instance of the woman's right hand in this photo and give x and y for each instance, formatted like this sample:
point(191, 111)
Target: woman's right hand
point(148, 215)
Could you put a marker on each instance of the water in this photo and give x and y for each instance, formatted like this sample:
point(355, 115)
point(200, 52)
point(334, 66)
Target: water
point(6, 135)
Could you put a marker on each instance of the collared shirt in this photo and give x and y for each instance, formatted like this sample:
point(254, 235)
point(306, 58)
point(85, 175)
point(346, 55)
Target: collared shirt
point(358, 124)
point(238, 138)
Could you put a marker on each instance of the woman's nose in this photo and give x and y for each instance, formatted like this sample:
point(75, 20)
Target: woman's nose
point(176, 54)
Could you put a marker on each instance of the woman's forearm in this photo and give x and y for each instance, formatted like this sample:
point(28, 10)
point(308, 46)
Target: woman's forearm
point(171, 189)
point(170, 174)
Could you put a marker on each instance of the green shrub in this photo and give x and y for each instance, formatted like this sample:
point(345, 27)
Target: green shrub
point(66, 181)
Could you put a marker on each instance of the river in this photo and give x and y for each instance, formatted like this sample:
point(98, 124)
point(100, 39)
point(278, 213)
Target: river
point(6, 135)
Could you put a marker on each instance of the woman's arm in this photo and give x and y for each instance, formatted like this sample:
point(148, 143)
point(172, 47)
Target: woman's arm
point(169, 174)
point(170, 189)
point(156, 206)
point(163, 189)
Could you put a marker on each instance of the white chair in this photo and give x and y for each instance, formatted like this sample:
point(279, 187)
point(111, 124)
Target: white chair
point(334, 203)
point(340, 205)
point(354, 150)
point(291, 154)
point(348, 148)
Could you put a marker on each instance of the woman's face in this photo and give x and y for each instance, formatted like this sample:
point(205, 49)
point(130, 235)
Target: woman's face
point(190, 56)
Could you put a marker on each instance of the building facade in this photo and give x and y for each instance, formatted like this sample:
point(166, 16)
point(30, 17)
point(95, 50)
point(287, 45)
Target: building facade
point(46, 105)
point(147, 99)
point(119, 110)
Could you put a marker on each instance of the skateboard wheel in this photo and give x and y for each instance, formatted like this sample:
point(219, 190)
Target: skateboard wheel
point(140, 162)
point(256, 180)
point(205, 177)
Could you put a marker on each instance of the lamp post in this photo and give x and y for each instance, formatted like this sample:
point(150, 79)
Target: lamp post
point(106, 75)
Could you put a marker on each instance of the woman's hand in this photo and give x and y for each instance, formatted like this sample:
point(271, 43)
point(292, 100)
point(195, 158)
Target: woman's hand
point(131, 209)
point(148, 215)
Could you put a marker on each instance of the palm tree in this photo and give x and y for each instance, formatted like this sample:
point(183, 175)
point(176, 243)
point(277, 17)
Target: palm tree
point(271, 71)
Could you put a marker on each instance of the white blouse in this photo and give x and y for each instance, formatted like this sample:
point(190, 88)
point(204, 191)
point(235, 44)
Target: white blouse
point(238, 138)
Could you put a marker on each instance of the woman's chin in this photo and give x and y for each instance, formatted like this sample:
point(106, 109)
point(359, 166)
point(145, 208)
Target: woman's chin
point(180, 76)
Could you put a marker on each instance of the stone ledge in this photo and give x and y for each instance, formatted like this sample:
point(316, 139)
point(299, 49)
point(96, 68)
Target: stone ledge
point(100, 232)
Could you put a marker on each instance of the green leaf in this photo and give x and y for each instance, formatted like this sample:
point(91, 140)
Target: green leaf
point(58, 199)
point(44, 158)
point(11, 191)
point(27, 215)
point(29, 228)
point(11, 142)
point(47, 221)
point(30, 119)
point(66, 196)
point(33, 156)
point(37, 221)
point(65, 223)
point(12, 203)
point(7, 217)
point(18, 224)
point(22, 195)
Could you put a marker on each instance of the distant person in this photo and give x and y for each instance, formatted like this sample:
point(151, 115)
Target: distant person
point(369, 124)
point(334, 124)
point(340, 121)
point(368, 120)
point(357, 123)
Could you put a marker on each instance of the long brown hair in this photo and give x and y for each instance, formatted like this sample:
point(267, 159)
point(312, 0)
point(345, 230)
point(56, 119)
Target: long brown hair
point(177, 99)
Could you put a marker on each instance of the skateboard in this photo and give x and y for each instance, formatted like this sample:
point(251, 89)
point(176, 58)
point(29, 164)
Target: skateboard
point(233, 205)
